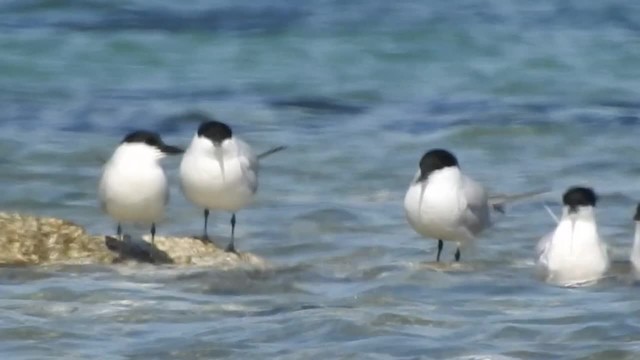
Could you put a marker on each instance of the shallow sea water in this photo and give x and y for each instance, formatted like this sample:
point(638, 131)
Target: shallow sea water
point(528, 95)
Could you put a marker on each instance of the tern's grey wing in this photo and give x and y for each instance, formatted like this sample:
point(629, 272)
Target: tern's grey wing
point(476, 217)
point(542, 248)
point(249, 163)
point(543, 244)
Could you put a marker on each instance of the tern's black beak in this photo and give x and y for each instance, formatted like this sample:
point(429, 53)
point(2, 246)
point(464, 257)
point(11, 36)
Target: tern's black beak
point(170, 150)
point(573, 209)
point(422, 177)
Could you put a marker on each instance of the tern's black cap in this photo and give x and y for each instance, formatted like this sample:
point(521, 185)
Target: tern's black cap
point(579, 196)
point(435, 159)
point(215, 131)
point(636, 217)
point(152, 139)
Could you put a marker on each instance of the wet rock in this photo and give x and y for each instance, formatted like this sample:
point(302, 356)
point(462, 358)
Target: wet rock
point(30, 240)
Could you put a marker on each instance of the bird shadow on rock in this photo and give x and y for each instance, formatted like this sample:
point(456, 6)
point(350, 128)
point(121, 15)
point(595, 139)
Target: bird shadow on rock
point(222, 242)
point(140, 251)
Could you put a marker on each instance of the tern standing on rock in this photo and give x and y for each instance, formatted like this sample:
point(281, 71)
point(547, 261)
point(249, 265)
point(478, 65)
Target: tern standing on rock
point(219, 171)
point(133, 187)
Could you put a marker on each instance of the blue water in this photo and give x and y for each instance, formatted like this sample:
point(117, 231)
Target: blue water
point(527, 94)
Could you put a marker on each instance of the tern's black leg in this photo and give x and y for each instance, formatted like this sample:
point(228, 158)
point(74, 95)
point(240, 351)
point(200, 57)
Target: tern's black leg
point(206, 219)
point(440, 245)
point(231, 247)
point(457, 256)
point(119, 232)
point(153, 232)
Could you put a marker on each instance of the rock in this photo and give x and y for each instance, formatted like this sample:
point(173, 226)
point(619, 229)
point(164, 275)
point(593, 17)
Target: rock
point(29, 240)
point(181, 250)
point(33, 240)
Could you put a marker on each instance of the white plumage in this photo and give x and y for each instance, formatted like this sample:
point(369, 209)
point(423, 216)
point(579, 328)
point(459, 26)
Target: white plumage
point(219, 172)
point(444, 204)
point(449, 206)
point(219, 178)
point(574, 253)
point(133, 187)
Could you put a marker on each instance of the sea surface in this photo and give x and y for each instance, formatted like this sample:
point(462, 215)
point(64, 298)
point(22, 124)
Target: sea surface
point(528, 94)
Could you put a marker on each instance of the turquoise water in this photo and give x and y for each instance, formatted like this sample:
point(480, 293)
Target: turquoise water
point(528, 95)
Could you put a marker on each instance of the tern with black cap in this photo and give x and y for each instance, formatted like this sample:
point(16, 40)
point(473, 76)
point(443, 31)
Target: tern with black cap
point(445, 204)
point(219, 171)
point(573, 253)
point(133, 187)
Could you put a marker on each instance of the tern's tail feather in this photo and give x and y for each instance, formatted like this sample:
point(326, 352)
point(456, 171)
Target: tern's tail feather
point(551, 213)
point(271, 151)
point(498, 202)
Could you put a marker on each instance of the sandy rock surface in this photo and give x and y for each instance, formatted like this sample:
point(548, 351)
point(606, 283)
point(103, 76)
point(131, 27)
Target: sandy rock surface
point(30, 240)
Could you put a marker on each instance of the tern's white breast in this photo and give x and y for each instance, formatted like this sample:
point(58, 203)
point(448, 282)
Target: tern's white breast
point(133, 191)
point(441, 211)
point(226, 180)
point(574, 252)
